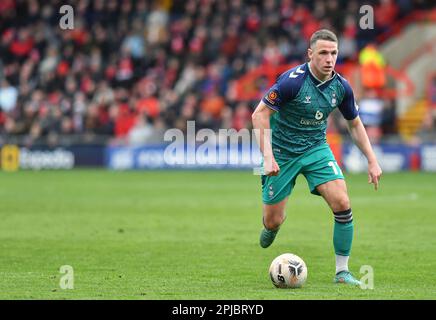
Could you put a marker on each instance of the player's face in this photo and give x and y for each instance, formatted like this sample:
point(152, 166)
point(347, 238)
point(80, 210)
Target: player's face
point(323, 57)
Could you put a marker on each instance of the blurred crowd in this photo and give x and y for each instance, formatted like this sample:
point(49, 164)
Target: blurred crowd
point(129, 69)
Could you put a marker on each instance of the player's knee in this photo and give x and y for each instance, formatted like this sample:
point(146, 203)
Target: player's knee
point(341, 204)
point(273, 222)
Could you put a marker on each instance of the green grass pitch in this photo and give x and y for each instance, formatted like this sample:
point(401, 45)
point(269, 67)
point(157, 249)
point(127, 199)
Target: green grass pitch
point(194, 235)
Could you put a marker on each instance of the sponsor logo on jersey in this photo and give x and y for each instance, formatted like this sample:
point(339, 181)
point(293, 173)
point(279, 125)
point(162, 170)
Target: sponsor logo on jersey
point(318, 115)
point(311, 122)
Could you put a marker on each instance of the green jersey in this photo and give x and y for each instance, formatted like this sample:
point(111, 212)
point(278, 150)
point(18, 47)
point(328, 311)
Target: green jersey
point(303, 104)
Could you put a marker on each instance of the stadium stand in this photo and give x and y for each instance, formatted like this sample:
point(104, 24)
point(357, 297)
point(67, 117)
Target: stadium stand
point(131, 69)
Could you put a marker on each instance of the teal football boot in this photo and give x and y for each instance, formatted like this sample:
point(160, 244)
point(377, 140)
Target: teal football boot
point(267, 237)
point(347, 278)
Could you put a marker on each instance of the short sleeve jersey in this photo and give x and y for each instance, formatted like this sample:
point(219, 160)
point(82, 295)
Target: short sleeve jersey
point(302, 104)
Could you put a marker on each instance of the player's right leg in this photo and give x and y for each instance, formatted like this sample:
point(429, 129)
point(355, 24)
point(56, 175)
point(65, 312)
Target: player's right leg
point(273, 217)
point(275, 193)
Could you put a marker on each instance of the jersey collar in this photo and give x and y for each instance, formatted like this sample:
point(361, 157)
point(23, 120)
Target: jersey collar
point(318, 83)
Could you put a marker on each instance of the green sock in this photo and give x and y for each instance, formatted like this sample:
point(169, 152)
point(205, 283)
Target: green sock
point(343, 232)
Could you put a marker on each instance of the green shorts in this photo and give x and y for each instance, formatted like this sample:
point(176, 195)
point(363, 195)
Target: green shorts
point(318, 165)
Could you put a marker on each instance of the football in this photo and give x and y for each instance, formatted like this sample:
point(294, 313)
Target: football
point(288, 271)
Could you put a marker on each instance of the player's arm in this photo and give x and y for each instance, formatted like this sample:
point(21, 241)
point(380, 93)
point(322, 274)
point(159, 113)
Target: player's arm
point(350, 111)
point(260, 118)
point(360, 138)
point(284, 90)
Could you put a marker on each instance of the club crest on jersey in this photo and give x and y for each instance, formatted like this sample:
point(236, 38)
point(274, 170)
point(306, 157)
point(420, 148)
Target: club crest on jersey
point(307, 99)
point(319, 115)
point(334, 100)
point(271, 192)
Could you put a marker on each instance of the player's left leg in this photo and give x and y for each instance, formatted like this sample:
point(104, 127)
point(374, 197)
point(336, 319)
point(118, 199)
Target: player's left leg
point(335, 194)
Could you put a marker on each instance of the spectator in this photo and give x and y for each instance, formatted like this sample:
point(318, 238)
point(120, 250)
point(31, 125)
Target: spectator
point(141, 132)
point(432, 91)
point(8, 96)
point(166, 62)
point(385, 14)
point(373, 67)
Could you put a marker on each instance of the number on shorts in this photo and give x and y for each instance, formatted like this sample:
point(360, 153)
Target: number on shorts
point(335, 167)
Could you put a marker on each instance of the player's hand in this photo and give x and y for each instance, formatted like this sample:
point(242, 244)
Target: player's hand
point(374, 173)
point(271, 167)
